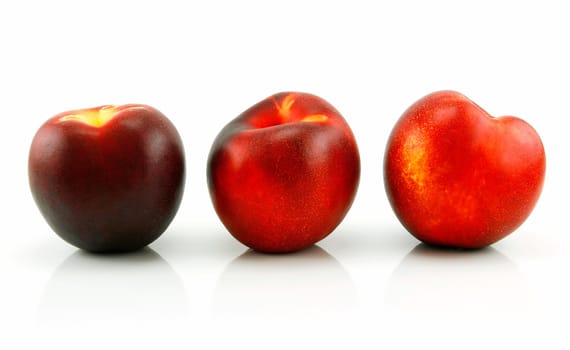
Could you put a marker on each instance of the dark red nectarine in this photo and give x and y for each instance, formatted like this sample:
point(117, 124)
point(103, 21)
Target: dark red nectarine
point(109, 178)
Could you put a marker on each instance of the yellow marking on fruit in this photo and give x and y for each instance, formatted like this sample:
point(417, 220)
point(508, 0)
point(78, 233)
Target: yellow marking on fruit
point(94, 117)
point(415, 160)
point(315, 118)
point(284, 107)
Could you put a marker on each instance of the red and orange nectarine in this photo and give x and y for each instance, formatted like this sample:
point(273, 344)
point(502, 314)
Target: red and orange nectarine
point(455, 176)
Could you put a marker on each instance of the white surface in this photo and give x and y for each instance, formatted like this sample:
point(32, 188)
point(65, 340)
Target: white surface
point(369, 284)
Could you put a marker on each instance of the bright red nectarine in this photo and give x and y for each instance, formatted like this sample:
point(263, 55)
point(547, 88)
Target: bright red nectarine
point(284, 173)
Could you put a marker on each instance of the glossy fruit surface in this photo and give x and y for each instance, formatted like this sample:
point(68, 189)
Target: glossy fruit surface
point(284, 173)
point(109, 178)
point(455, 176)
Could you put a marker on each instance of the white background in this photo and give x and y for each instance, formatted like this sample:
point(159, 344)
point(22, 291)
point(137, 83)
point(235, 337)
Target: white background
point(369, 284)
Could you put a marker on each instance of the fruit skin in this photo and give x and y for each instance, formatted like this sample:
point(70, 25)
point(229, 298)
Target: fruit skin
point(455, 176)
point(284, 173)
point(111, 188)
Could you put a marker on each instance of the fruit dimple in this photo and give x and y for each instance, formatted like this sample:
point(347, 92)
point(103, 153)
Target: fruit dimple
point(287, 114)
point(95, 117)
point(284, 107)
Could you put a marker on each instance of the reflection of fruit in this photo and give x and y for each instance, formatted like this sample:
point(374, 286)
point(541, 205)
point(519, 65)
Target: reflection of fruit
point(87, 287)
point(449, 277)
point(284, 173)
point(455, 176)
point(310, 282)
point(109, 178)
